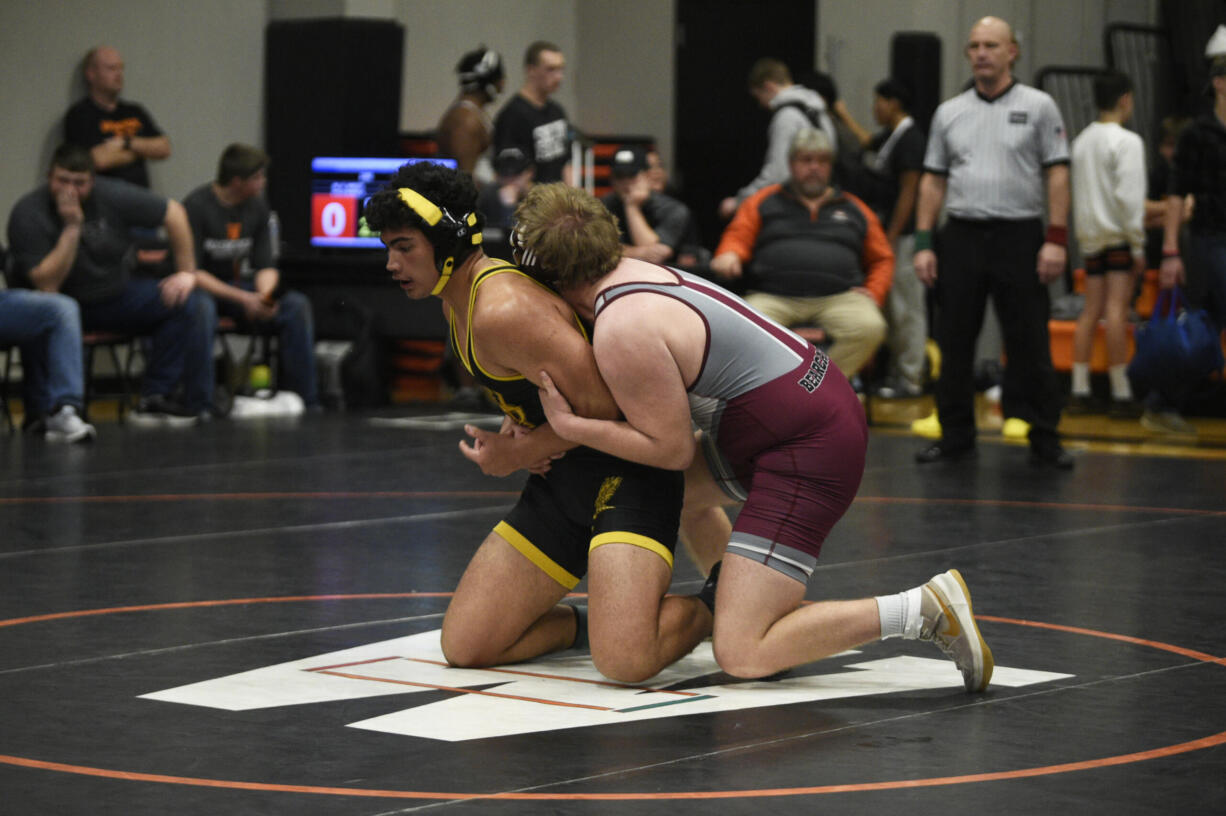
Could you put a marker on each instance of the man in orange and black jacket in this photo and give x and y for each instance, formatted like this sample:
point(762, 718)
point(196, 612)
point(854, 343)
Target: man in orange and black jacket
point(812, 255)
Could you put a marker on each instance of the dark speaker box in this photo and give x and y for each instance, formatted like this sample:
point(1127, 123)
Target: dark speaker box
point(331, 88)
point(915, 60)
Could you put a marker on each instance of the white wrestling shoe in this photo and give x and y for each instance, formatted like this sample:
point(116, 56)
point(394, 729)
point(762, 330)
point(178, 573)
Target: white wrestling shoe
point(949, 623)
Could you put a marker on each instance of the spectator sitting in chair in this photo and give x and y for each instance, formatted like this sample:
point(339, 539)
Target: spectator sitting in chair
point(653, 224)
point(229, 219)
point(74, 235)
point(812, 254)
point(47, 329)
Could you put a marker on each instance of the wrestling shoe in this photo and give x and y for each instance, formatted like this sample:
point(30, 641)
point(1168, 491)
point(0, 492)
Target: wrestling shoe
point(707, 593)
point(949, 623)
point(581, 639)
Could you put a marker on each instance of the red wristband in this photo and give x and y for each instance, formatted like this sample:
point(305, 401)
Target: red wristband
point(1057, 235)
point(1170, 253)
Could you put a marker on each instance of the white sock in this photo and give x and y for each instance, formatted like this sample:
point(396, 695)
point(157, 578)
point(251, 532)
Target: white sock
point(1081, 379)
point(1121, 389)
point(900, 614)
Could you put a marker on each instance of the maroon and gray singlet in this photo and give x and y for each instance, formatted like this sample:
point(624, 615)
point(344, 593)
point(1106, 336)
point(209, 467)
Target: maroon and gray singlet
point(782, 429)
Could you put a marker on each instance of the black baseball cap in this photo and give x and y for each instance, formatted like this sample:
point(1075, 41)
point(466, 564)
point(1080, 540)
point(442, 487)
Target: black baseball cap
point(511, 161)
point(629, 160)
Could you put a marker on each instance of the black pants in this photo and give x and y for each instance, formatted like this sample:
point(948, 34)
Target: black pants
point(997, 258)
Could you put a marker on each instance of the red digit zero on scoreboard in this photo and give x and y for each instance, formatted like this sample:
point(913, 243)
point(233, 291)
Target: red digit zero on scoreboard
point(333, 216)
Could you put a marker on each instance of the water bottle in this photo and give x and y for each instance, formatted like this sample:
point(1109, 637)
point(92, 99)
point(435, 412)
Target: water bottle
point(274, 235)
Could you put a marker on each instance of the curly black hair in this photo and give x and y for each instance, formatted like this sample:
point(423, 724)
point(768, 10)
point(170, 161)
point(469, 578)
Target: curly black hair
point(448, 189)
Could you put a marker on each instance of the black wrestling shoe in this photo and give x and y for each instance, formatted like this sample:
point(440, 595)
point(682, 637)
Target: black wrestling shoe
point(942, 451)
point(581, 639)
point(707, 593)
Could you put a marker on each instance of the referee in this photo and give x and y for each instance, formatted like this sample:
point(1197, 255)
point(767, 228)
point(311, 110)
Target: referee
point(990, 151)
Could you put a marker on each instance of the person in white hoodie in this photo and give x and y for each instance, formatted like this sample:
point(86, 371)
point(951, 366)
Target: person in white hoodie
point(1108, 181)
point(795, 107)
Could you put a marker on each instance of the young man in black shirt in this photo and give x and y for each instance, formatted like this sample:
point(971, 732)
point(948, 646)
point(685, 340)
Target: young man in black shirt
point(535, 123)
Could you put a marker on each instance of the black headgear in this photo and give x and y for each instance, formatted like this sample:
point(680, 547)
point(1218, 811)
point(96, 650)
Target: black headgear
point(480, 70)
point(450, 236)
point(525, 258)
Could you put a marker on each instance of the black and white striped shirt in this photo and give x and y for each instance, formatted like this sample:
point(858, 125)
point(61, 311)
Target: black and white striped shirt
point(994, 151)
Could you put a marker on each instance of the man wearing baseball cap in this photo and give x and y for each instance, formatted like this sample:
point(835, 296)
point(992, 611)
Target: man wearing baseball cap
point(653, 225)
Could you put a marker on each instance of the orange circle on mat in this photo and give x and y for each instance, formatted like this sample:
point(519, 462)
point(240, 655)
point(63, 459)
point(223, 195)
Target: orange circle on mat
point(1022, 773)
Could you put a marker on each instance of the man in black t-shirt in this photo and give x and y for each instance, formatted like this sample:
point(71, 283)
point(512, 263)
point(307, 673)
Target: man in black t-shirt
point(532, 121)
point(119, 134)
point(234, 244)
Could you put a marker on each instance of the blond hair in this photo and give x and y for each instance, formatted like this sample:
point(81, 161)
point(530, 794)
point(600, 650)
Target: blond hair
point(573, 238)
point(769, 69)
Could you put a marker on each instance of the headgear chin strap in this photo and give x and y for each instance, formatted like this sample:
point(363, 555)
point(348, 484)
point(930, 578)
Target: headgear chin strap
point(441, 223)
point(444, 276)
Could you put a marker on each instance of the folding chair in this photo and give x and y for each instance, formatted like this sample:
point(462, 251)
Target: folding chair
point(91, 341)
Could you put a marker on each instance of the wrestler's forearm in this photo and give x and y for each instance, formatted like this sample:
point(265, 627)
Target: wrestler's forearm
point(623, 440)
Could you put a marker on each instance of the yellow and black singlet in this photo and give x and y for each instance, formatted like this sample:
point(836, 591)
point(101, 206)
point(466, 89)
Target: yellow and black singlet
point(516, 395)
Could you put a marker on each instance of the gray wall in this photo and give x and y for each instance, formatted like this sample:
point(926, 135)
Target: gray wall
point(198, 66)
point(854, 35)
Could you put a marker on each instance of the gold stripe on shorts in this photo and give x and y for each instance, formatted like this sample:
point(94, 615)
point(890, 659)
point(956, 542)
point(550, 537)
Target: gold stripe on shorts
point(634, 540)
point(533, 554)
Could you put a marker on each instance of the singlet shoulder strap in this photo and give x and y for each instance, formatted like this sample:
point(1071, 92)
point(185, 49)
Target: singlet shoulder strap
point(469, 354)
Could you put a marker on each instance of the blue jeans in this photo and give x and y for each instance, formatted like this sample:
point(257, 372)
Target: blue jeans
point(295, 324)
point(182, 338)
point(47, 329)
